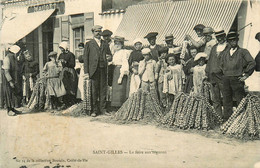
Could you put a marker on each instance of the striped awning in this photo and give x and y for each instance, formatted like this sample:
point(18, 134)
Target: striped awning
point(177, 17)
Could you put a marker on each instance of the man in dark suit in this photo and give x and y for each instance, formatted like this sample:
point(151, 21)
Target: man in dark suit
point(96, 56)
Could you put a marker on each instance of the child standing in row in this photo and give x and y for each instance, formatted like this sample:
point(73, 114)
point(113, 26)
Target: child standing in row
point(174, 77)
point(199, 73)
point(147, 70)
point(161, 66)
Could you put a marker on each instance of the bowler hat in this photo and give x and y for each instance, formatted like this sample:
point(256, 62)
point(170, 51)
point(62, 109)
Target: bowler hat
point(151, 34)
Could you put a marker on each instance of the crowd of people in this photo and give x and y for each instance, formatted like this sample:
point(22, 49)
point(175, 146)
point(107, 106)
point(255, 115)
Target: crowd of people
point(109, 71)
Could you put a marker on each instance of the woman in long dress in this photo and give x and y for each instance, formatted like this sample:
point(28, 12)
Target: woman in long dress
point(120, 74)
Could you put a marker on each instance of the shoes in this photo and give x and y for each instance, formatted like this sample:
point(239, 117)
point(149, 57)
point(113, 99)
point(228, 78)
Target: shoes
point(11, 113)
point(107, 114)
point(93, 115)
point(16, 111)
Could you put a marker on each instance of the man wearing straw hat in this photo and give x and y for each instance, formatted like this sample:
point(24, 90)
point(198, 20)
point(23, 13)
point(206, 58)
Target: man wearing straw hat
point(237, 65)
point(213, 71)
point(96, 55)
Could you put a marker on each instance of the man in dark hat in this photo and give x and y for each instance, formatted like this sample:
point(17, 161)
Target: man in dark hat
point(201, 41)
point(213, 71)
point(237, 65)
point(257, 58)
point(95, 57)
point(106, 34)
point(151, 37)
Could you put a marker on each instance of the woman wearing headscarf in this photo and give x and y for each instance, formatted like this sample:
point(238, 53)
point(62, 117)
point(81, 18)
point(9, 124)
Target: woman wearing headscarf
point(68, 75)
point(121, 71)
point(10, 73)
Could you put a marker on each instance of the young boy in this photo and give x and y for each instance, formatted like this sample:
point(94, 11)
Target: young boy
point(147, 70)
point(161, 66)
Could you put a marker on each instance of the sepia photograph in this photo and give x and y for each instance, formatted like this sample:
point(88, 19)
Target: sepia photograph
point(130, 84)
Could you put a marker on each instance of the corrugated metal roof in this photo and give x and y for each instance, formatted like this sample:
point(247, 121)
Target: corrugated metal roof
point(177, 17)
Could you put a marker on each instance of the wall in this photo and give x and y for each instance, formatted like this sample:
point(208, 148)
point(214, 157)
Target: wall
point(249, 13)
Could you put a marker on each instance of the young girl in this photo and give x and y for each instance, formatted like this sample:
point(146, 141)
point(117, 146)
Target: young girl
point(54, 87)
point(134, 59)
point(147, 70)
point(199, 73)
point(174, 77)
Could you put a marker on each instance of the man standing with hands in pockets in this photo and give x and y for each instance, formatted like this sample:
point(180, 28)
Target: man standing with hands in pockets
point(96, 57)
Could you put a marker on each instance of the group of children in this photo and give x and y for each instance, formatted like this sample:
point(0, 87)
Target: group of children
point(167, 74)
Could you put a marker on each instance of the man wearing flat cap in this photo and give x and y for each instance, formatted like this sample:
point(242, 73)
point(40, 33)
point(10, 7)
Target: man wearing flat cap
point(106, 34)
point(200, 42)
point(96, 56)
point(213, 71)
point(210, 41)
point(169, 42)
point(237, 65)
point(151, 37)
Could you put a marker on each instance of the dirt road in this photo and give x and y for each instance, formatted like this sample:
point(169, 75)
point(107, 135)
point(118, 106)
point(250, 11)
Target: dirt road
point(41, 139)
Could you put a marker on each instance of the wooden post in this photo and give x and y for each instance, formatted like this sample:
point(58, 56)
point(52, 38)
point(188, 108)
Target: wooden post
point(1, 88)
point(40, 42)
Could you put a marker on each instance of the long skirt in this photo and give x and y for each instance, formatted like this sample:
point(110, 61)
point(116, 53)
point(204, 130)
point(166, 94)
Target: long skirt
point(70, 80)
point(8, 93)
point(118, 90)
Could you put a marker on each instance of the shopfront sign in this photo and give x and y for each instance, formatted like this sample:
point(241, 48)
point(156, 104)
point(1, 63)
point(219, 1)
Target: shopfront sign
point(60, 6)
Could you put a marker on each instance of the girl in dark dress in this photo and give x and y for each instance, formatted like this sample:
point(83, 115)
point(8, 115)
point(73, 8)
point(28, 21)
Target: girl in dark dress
point(68, 75)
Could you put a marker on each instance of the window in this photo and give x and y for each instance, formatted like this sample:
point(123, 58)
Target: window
point(78, 36)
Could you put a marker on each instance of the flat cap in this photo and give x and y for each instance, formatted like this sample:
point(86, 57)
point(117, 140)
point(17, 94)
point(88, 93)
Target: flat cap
point(106, 33)
point(151, 34)
point(232, 35)
point(257, 36)
point(199, 26)
point(169, 37)
point(146, 51)
point(14, 49)
point(208, 30)
point(219, 32)
point(96, 27)
point(200, 55)
point(52, 53)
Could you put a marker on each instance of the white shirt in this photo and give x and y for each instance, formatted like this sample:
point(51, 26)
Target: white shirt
point(98, 41)
point(152, 47)
point(232, 51)
point(221, 47)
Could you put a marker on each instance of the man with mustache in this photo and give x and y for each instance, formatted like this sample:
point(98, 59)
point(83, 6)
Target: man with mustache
point(96, 57)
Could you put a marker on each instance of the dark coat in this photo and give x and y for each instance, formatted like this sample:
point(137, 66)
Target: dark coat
point(93, 54)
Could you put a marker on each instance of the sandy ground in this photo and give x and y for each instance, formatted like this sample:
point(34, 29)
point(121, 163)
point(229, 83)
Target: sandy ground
point(42, 139)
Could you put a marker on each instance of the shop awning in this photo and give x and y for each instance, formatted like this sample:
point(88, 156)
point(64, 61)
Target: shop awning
point(177, 17)
point(20, 25)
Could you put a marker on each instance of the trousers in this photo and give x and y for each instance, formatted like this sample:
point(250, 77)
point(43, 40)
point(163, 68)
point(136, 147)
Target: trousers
point(99, 90)
point(233, 88)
